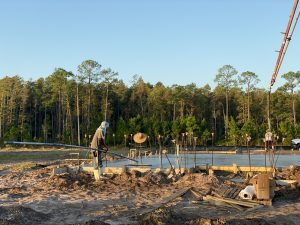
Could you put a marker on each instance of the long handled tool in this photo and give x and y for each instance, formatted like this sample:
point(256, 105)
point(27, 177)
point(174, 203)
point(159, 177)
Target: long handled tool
point(172, 168)
point(66, 146)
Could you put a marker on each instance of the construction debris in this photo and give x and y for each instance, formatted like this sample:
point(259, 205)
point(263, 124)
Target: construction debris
point(67, 195)
point(248, 193)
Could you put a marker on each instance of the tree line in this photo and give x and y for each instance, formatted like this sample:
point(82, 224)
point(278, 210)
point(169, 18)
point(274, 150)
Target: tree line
point(68, 107)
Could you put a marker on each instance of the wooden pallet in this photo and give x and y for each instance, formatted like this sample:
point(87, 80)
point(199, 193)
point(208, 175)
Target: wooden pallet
point(226, 191)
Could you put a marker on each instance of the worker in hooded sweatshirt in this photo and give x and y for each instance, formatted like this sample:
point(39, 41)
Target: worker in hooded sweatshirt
point(98, 143)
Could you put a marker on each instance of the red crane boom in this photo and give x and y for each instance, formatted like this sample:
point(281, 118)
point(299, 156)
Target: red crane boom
point(284, 44)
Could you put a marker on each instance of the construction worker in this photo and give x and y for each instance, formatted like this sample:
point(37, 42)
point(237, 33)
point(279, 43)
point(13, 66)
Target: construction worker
point(268, 140)
point(98, 142)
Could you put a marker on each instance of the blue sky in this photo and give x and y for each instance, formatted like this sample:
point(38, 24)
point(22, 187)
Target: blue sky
point(172, 41)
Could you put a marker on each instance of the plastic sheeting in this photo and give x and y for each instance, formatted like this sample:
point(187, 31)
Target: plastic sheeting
point(247, 193)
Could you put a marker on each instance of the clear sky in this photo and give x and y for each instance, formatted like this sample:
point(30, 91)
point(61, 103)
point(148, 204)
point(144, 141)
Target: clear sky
point(172, 41)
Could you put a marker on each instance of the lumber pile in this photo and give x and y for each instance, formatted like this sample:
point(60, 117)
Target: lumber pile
point(240, 205)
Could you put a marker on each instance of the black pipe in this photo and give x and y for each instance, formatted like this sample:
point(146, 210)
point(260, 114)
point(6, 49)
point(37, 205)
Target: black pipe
point(63, 145)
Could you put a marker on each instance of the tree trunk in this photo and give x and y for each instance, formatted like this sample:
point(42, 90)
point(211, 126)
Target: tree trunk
point(182, 109)
point(53, 126)
point(69, 124)
point(248, 91)
point(269, 109)
point(89, 106)
point(78, 124)
point(226, 119)
point(215, 118)
point(59, 115)
point(142, 107)
point(45, 125)
point(64, 120)
point(1, 116)
point(35, 119)
point(174, 111)
point(244, 113)
point(106, 103)
point(294, 109)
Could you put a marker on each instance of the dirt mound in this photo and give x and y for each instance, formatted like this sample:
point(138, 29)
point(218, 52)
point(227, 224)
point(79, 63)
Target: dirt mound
point(21, 215)
point(254, 221)
point(69, 181)
point(200, 179)
point(287, 194)
point(140, 180)
point(204, 221)
point(92, 222)
point(161, 217)
point(155, 178)
point(289, 173)
point(169, 217)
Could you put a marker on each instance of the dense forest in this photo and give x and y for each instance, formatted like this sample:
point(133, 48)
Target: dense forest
point(67, 107)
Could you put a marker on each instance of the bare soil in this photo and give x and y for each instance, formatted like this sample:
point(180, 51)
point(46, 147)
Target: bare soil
point(35, 196)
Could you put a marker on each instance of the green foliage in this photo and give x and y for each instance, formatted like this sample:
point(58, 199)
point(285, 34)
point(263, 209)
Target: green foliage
point(12, 134)
point(191, 124)
point(206, 135)
point(202, 127)
point(234, 133)
point(46, 109)
point(165, 128)
point(135, 124)
point(292, 80)
point(226, 77)
point(249, 129)
point(249, 79)
point(176, 129)
point(286, 128)
point(89, 71)
point(121, 130)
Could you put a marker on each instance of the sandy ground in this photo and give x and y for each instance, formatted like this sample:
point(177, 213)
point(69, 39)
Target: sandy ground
point(35, 196)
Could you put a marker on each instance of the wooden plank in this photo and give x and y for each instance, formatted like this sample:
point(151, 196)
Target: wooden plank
point(196, 194)
point(216, 194)
point(222, 203)
point(236, 207)
point(230, 193)
point(240, 168)
point(262, 202)
point(216, 202)
point(285, 182)
point(226, 192)
point(254, 208)
point(165, 201)
point(236, 193)
point(232, 201)
point(222, 190)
